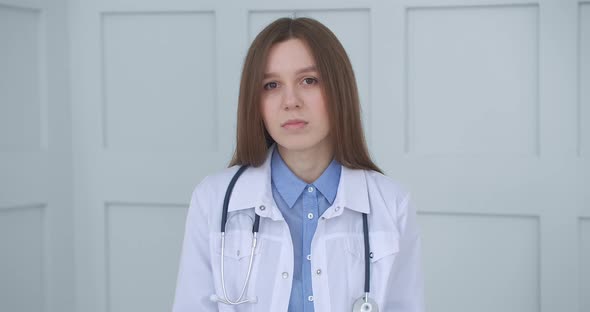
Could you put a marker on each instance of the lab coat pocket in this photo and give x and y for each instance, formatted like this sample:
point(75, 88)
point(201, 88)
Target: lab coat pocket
point(238, 245)
point(236, 263)
point(346, 266)
point(382, 244)
point(384, 250)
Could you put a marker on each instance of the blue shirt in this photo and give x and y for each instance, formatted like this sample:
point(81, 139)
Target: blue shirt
point(301, 204)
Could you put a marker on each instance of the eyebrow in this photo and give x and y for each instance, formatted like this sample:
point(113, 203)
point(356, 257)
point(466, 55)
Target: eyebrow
point(303, 70)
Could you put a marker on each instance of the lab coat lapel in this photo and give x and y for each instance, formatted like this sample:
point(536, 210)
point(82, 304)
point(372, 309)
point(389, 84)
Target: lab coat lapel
point(352, 193)
point(253, 190)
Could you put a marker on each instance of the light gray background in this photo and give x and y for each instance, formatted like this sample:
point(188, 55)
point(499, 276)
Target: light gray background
point(112, 111)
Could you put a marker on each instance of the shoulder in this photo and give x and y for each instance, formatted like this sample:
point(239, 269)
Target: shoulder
point(388, 197)
point(213, 184)
point(209, 192)
point(389, 188)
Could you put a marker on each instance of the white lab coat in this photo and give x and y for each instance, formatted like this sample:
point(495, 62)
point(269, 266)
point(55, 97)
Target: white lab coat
point(337, 257)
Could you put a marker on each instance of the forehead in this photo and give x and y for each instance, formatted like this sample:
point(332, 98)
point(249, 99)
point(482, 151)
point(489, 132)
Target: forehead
point(289, 56)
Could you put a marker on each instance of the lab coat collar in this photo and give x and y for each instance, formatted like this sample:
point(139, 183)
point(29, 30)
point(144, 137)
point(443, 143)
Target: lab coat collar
point(352, 193)
point(253, 190)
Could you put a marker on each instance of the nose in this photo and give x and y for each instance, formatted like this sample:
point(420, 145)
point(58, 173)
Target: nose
point(291, 99)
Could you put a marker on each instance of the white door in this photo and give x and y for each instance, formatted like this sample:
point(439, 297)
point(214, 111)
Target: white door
point(36, 223)
point(479, 107)
point(151, 101)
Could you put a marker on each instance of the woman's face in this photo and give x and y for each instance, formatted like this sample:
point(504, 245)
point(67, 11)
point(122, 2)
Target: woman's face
point(292, 102)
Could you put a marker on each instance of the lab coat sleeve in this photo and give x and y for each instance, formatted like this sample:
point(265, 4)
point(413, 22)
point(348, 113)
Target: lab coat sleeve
point(194, 282)
point(407, 286)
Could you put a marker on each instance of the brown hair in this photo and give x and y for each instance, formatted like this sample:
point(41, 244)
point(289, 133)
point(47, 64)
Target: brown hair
point(339, 88)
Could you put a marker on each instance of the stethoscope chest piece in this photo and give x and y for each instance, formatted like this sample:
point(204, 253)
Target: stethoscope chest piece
point(360, 305)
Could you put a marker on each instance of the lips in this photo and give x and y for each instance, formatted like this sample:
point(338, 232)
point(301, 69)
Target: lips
point(294, 124)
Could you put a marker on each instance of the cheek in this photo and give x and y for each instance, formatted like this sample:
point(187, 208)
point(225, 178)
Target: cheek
point(264, 110)
point(267, 113)
point(320, 108)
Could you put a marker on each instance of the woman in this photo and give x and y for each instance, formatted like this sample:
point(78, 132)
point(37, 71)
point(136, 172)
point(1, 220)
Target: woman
point(311, 189)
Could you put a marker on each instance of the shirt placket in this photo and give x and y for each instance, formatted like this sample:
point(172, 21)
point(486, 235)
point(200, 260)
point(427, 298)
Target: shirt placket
point(310, 210)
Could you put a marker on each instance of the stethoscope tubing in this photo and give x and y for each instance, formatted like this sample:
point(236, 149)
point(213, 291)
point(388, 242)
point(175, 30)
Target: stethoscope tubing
point(227, 197)
point(367, 256)
point(255, 228)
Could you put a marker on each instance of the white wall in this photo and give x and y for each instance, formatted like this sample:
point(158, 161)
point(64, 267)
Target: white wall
point(481, 108)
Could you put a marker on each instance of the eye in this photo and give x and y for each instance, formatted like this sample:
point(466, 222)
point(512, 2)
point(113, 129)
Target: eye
point(310, 81)
point(271, 85)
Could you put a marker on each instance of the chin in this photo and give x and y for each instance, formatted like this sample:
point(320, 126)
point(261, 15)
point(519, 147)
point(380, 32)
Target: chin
point(293, 145)
point(297, 144)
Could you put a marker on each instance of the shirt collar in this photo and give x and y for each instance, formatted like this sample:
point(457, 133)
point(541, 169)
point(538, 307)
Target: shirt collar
point(328, 182)
point(290, 186)
point(287, 183)
point(253, 190)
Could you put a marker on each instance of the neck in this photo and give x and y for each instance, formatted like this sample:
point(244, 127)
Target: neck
point(309, 164)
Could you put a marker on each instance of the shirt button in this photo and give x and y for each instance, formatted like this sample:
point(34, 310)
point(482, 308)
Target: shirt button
point(310, 298)
point(310, 189)
point(310, 215)
point(308, 257)
point(285, 275)
point(318, 272)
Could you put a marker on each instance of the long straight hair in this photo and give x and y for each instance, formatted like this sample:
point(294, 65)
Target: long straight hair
point(338, 87)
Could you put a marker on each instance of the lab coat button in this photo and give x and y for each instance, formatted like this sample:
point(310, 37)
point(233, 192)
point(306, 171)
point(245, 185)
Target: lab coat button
point(318, 272)
point(262, 207)
point(285, 275)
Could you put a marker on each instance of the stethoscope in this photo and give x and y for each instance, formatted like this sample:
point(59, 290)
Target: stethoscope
point(363, 304)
